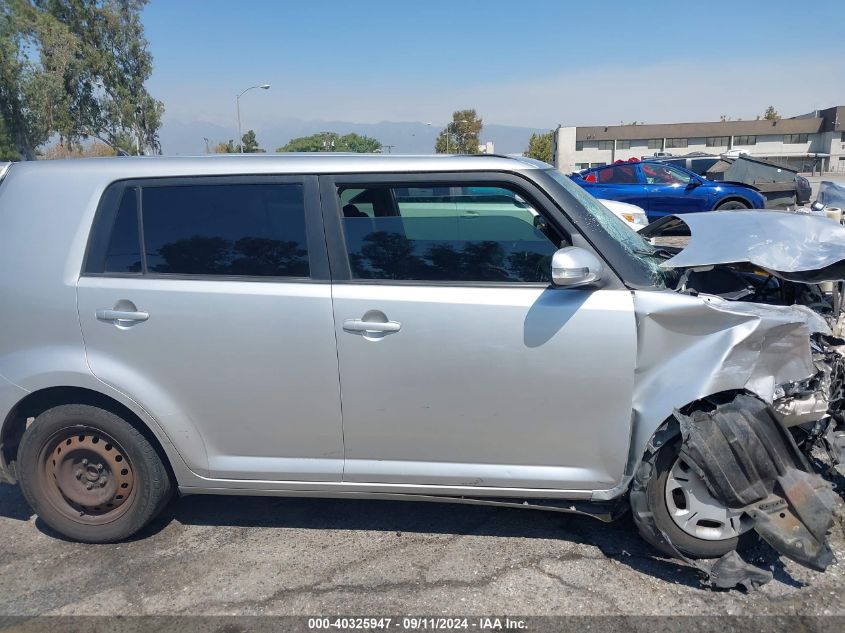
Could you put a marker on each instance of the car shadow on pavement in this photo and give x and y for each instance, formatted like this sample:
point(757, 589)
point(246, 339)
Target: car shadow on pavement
point(617, 541)
point(12, 503)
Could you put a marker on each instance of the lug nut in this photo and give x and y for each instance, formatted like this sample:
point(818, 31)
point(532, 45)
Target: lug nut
point(84, 462)
point(89, 486)
point(99, 467)
point(78, 473)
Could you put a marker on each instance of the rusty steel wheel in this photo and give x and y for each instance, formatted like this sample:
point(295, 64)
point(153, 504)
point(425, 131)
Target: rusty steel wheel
point(87, 475)
point(91, 475)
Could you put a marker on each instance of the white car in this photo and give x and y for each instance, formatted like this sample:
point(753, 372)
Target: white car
point(630, 214)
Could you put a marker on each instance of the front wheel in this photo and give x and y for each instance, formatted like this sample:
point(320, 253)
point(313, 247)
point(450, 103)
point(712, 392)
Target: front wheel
point(90, 475)
point(681, 506)
point(732, 205)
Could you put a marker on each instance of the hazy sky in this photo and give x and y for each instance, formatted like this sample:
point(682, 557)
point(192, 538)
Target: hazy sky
point(523, 62)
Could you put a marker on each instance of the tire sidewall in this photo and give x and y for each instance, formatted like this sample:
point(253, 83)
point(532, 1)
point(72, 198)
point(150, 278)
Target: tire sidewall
point(131, 441)
point(686, 543)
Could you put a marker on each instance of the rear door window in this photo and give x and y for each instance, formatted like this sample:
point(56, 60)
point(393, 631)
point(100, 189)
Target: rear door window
point(219, 229)
point(618, 175)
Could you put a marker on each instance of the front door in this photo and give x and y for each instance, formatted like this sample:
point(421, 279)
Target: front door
point(216, 317)
point(459, 364)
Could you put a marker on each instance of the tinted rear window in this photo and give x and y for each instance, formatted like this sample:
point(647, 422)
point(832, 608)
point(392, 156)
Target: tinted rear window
point(254, 230)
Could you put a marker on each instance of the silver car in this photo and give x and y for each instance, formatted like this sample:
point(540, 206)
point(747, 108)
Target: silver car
point(470, 329)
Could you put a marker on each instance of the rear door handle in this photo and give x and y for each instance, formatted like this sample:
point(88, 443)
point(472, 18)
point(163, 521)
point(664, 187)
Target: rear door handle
point(121, 315)
point(359, 325)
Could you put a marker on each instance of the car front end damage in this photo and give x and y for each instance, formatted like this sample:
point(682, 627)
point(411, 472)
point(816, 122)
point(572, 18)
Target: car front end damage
point(751, 336)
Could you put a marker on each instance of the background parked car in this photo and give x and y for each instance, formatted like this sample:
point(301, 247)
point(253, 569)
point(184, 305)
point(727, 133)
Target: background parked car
point(663, 189)
point(632, 215)
point(780, 185)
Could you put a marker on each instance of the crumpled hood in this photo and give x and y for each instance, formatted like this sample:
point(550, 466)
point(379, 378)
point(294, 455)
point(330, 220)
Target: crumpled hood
point(795, 247)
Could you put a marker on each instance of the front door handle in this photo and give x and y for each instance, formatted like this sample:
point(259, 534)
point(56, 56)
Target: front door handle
point(360, 325)
point(122, 315)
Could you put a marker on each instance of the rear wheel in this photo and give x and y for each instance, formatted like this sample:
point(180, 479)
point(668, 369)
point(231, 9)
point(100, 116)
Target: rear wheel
point(732, 205)
point(90, 475)
point(697, 523)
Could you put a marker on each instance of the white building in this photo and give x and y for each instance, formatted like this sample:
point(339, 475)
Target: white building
point(811, 142)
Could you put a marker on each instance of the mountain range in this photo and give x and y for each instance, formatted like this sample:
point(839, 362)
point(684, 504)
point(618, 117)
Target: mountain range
point(187, 138)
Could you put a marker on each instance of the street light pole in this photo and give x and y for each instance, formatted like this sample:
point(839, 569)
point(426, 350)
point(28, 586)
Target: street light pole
point(238, 102)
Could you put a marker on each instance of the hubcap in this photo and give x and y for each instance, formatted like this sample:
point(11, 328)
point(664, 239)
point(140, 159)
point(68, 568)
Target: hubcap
point(87, 475)
point(696, 511)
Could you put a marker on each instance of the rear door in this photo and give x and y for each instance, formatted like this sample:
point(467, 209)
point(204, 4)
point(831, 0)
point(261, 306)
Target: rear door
point(460, 365)
point(216, 317)
point(623, 183)
point(670, 191)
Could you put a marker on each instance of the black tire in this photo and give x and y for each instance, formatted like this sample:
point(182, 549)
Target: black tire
point(662, 463)
point(732, 205)
point(109, 483)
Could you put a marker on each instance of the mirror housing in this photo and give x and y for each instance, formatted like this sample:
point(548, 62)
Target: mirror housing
point(573, 266)
point(693, 182)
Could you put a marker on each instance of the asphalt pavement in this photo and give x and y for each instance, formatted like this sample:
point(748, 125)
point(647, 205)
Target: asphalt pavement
point(233, 556)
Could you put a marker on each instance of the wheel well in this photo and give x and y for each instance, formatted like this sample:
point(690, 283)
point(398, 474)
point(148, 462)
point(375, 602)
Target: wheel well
point(37, 402)
point(733, 198)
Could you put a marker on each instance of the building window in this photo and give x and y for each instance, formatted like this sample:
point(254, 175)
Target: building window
point(580, 166)
point(655, 143)
point(597, 164)
point(608, 145)
point(579, 146)
point(794, 139)
point(623, 144)
point(717, 141)
point(677, 142)
point(745, 140)
point(843, 138)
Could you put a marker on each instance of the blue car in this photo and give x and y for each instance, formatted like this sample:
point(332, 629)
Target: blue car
point(663, 189)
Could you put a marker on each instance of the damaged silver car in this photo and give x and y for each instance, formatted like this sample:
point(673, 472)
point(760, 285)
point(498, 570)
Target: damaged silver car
point(472, 329)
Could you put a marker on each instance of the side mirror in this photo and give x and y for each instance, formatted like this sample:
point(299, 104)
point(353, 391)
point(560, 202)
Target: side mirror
point(573, 266)
point(693, 182)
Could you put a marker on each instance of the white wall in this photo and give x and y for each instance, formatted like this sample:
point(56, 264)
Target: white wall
point(564, 158)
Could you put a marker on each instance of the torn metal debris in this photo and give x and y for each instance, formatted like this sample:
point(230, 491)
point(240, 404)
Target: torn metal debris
point(751, 462)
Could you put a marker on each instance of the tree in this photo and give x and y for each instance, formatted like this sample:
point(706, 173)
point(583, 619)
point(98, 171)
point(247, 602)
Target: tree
point(66, 151)
point(332, 142)
point(250, 143)
point(771, 114)
point(226, 148)
point(76, 69)
point(358, 144)
point(7, 147)
point(461, 135)
point(540, 146)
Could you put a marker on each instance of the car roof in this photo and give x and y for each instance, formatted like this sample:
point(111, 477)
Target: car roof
point(290, 163)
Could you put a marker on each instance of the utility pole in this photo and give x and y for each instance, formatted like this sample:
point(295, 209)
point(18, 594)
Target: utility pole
point(389, 148)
